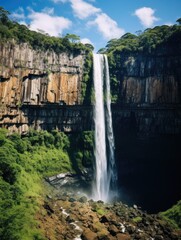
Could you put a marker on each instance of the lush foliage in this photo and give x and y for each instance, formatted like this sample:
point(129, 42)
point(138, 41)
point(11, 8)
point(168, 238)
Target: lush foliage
point(82, 150)
point(151, 42)
point(145, 41)
point(87, 83)
point(38, 40)
point(24, 161)
point(173, 215)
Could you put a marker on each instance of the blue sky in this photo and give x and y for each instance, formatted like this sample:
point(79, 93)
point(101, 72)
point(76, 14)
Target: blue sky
point(95, 21)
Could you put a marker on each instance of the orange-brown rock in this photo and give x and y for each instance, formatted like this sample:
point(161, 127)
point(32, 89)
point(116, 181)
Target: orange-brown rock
point(121, 236)
point(29, 76)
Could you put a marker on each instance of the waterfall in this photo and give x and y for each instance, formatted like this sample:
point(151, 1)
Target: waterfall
point(100, 189)
point(112, 172)
point(105, 175)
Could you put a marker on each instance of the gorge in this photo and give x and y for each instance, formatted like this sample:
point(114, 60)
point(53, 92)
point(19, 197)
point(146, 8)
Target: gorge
point(44, 90)
point(51, 90)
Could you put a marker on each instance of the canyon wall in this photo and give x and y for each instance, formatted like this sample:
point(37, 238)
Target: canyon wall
point(146, 68)
point(29, 76)
point(39, 88)
point(42, 90)
point(72, 118)
point(150, 79)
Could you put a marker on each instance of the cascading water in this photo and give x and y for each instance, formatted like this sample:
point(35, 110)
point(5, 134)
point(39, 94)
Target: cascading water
point(100, 189)
point(105, 175)
point(112, 173)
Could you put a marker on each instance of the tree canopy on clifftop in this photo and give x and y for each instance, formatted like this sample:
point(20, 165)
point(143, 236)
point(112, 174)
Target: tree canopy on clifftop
point(146, 41)
point(39, 40)
point(158, 41)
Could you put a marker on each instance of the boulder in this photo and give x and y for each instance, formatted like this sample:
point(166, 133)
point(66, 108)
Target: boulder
point(121, 236)
point(88, 235)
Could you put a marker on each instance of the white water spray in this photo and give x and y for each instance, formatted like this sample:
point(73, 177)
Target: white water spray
point(105, 167)
point(112, 173)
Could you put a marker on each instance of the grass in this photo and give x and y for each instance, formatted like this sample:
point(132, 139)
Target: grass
point(137, 219)
point(24, 163)
point(173, 215)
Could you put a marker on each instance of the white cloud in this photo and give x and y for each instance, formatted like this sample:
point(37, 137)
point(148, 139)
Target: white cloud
point(107, 26)
point(53, 25)
point(146, 16)
point(48, 11)
point(169, 23)
point(86, 40)
point(83, 9)
point(23, 23)
point(57, 1)
point(18, 14)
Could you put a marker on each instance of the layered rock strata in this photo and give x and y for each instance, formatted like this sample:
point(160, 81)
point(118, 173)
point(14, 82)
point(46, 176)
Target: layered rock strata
point(149, 79)
point(29, 76)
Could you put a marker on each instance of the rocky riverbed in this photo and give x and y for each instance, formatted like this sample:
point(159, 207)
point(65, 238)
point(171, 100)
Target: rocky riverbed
point(73, 216)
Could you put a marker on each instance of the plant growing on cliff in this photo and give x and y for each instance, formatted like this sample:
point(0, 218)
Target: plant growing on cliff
point(81, 150)
point(87, 84)
point(173, 215)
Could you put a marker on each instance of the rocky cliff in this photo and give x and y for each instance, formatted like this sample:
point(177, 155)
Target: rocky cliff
point(35, 82)
point(150, 79)
point(29, 76)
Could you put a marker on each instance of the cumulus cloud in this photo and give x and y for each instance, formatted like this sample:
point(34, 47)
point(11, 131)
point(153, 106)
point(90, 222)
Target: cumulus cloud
point(169, 23)
point(146, 16)
point(63, 1)
point(83, 9)
point(48, 11)
point(53, 25)
point(86, 40)
point(18, 14)
point(23, 23)
point(107, 26)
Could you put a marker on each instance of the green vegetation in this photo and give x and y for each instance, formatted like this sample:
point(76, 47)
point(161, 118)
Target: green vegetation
point(24, 161)
point(137, 219)
point(146, 41)
point(87, 83)
point(151, 42)
point(99, 208)
point(82, 150)
point(173, 215)
point(38, 40)
point(14, 32)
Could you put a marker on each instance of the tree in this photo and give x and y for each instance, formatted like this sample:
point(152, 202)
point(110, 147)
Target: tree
point(72, 38)
point(88, 45)
point(139, 32)
point(102, 50)
point(4, 15)
point(179, 21)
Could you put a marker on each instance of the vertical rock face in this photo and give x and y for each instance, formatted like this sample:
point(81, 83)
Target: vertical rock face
point(29, 76)
point(150, 79)
point(39, 78)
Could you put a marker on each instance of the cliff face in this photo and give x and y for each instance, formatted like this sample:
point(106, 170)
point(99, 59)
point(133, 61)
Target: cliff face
point(149, 79)
point(29, 76)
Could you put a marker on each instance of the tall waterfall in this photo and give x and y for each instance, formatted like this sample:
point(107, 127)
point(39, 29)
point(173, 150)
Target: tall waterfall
point(112, 172)
point(105, 174)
